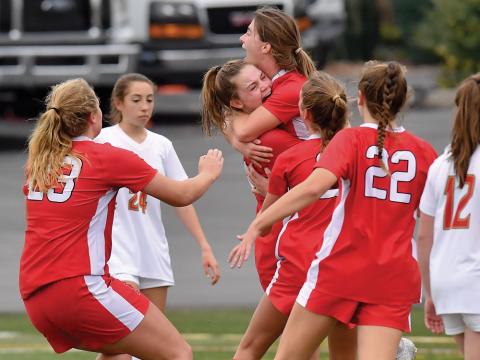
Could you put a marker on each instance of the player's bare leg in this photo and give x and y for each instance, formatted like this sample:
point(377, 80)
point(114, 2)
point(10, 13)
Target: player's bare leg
point(158, 296)
point(460, 341)
point(377, 342)
point(303, 334)
point(471, 344)
point(265, 327)
point(342, 343)
point(154, 338)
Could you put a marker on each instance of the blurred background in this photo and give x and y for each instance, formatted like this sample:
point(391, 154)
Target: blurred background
point(174, 42)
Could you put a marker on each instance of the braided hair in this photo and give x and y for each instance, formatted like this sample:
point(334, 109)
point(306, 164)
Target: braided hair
point(385, 89)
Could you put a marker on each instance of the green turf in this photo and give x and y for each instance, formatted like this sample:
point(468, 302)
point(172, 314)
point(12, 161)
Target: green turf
point(213, 334)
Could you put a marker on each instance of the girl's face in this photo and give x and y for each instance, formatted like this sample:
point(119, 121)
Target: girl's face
point(137, 105)
point(252, 87)
point(252, 44)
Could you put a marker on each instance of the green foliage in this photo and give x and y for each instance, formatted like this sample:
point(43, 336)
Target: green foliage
point(452, 30)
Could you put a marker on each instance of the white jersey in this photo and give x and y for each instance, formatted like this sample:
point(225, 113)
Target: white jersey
point(455, 256)
point(139, 244)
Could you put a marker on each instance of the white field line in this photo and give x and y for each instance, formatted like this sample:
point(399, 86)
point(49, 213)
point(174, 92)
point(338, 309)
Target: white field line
point(220, 343)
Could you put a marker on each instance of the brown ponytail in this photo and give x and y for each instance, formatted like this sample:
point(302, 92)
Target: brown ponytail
point(217, 91)
point(281, 32)
point(326, 101)
point(466, 127)
point(68, 107)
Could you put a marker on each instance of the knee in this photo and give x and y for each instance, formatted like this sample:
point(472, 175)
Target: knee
point(186, 353)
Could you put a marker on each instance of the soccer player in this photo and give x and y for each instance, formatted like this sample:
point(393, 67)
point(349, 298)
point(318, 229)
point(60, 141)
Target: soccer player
point(70, 189)
point(364, 272)
point(323, 106)
point(449, 232)
point(140, 254)
point(272, 43)
point(240, 87)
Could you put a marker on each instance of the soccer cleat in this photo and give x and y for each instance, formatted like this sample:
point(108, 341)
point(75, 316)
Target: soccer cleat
point(406, 349)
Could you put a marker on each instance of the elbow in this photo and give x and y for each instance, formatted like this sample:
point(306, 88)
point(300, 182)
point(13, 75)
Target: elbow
point(314, 192)
point(244, 136)
point(185, 199)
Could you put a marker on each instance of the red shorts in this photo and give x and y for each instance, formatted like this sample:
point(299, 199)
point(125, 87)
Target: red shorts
point(285, 285)
point(265, 260)
point(359, 313)
point(86, 312)
point(283, 297)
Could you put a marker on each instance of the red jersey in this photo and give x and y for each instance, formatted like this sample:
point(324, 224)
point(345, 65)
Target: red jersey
point(301, 236)
point(68, 229)
point(366, 253)
point(283, 102)
point(279, 140)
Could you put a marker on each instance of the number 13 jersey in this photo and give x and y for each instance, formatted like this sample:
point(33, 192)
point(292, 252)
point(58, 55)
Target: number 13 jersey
point(366, 253)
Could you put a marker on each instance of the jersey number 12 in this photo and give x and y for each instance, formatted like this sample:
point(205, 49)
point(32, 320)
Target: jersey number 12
point(452, 219)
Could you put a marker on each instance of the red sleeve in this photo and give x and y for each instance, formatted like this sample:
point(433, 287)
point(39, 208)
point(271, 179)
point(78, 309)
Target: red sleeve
point(283, 103)
point(277, 183)
point(340, 154)
point(124, 168)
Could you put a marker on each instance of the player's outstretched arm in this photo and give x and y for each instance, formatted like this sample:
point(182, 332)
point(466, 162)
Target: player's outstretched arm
point(294, 200)
point(189, 217)
point(183, 193)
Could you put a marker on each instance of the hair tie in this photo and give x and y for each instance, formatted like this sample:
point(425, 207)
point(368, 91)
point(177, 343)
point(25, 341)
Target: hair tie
point(298, 50)
point(334, 99)
point(54, 108)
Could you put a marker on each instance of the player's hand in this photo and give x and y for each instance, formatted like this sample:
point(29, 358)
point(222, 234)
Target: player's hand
point(211, 163)
point(253, 150)
point(241, 252)
point(210, 266)
point(433, 322)
point(259, 182)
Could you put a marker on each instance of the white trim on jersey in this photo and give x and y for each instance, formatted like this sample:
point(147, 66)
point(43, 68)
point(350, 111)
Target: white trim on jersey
point(300, 128)
point(330, 237)
point(96, 234)
point(277, 253)
point(113, 302)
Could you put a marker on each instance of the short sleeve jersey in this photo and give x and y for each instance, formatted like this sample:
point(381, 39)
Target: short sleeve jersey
point(283, 102)
point(301, 236)
point(455, 255)
point(140, 245)
point(366, 254)
point(68, 229)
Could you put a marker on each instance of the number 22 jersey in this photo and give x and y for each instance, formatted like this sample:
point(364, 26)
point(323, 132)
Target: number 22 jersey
point(366, 253)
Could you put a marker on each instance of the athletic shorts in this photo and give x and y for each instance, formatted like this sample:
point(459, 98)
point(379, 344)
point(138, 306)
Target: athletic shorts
point(283, 296)
point(265, 260)
point(455, 324)
point(285, 285)
point(143, 282)
point(359, 313)
point(86, 312)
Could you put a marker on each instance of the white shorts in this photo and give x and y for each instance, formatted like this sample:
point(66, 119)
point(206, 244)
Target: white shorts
point(455, 324)
point(142, 282)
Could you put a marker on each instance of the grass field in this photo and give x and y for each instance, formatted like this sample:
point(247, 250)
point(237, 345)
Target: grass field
point(213, 334)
